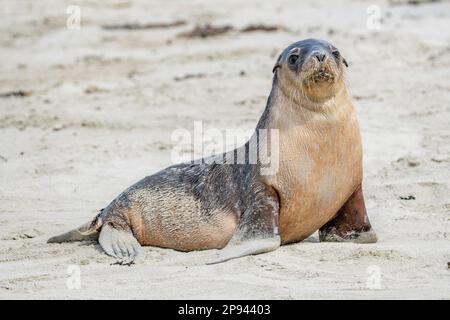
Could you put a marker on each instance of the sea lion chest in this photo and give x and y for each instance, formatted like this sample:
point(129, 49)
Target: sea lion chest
point(320, 165)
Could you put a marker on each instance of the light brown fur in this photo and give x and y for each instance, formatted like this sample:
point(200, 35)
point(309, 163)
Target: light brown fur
point(329, 146)
point(320, 151)
point(177, 222)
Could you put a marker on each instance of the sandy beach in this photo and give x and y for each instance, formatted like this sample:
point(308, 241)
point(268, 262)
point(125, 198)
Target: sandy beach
point(88, 109)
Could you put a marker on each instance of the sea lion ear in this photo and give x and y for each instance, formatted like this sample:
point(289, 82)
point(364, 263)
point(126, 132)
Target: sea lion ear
point(344, 62)
point(277, 64)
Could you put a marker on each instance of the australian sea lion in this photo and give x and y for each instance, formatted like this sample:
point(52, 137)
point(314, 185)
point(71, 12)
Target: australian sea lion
point(218, 203)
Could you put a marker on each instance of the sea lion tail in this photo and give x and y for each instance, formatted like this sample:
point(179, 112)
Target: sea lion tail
point(87, 231)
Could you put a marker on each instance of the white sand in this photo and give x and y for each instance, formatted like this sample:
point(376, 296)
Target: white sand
point(66, 153)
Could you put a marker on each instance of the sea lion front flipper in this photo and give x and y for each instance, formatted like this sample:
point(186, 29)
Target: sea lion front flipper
point(257, 231)
point(247, 248)
point(351, 224)
point(119, 244)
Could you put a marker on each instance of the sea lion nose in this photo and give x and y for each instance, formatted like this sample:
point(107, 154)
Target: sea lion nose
point(320, 56)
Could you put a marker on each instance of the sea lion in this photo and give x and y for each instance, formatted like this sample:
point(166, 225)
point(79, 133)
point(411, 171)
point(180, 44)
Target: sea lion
point(217, 203)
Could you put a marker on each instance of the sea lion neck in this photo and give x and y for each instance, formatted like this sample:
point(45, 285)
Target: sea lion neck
point(282, 109)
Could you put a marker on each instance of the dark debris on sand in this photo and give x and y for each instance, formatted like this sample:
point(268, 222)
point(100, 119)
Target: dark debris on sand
point(190, 76)
point(409, 197)
point(262, 27)
point(138, 26)
point(15, 93)
point(206, 30)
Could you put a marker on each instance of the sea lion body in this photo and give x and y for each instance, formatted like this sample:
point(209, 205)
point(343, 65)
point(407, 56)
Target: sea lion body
point(217, 203)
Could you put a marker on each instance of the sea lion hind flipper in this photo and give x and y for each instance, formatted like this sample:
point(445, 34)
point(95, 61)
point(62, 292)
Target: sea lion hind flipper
point(86, 232)
point(120, 244)
point(257, 231)
point(351, 224)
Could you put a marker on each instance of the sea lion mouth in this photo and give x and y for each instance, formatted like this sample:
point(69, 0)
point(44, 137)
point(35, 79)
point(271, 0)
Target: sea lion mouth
point(321, 75)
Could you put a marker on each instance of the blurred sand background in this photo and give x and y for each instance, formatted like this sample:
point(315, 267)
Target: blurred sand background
point(85, 113)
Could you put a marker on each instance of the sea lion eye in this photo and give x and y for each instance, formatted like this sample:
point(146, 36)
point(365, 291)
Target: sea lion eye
point(293, 58)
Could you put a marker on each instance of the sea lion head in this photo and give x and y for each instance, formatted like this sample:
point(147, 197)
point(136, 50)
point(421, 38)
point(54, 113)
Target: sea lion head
point(312, 69)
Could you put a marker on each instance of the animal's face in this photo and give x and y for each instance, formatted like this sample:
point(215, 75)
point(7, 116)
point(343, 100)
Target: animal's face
point(310, 68)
